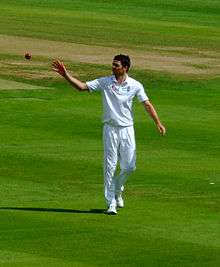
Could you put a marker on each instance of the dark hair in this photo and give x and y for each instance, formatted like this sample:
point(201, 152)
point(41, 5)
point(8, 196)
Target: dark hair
point(125, 60)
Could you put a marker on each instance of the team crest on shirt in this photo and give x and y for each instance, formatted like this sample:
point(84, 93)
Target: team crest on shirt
point(120, 90)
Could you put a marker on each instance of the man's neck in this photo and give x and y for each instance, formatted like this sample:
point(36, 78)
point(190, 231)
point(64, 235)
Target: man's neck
point(120, 79)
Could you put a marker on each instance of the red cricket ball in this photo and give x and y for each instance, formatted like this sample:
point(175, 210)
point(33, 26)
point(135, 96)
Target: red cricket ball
point(27, 55)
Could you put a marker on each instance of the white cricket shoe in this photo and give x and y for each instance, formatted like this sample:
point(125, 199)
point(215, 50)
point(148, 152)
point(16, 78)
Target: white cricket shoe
point(111, 210)
point(119, 201)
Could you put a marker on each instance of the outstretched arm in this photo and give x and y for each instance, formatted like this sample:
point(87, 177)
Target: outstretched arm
point(152, 112)
point(60, 68)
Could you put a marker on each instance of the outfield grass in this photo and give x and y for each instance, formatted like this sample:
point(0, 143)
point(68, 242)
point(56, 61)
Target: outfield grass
point(51, 208)
point(130, 24)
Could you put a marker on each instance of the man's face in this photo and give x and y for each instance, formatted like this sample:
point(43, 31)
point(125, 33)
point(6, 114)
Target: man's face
point(117, 68)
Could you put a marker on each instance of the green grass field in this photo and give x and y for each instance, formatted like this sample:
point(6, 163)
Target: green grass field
point(51, 206)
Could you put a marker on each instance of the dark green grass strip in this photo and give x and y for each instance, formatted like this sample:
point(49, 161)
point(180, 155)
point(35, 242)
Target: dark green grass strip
point(174, 23)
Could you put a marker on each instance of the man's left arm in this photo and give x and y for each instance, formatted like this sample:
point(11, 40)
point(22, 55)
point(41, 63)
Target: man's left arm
point(152, 112)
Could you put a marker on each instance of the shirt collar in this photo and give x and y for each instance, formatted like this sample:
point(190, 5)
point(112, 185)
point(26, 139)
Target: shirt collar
point(125, 81)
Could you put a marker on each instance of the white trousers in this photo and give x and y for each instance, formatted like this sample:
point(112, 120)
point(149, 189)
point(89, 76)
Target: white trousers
point(119, 145)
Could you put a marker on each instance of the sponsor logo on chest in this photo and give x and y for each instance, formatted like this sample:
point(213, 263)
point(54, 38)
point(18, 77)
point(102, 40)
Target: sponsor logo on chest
point(121, 89)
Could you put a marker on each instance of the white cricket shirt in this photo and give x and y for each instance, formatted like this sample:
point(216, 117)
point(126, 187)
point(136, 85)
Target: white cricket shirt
point(118, 98)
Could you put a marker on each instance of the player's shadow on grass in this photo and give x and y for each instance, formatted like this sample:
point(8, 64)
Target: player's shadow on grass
point(94, 211)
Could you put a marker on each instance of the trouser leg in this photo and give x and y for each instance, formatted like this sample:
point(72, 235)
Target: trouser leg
point(110, 139)
point(127, 157)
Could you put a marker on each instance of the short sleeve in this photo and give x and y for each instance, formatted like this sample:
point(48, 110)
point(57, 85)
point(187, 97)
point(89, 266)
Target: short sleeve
point(95, 85)
point(141, 95)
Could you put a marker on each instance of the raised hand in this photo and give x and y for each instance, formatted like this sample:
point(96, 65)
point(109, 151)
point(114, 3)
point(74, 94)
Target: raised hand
point(59, 67)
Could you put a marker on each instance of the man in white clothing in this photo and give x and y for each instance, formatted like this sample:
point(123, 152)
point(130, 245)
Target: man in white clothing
point(118, 91)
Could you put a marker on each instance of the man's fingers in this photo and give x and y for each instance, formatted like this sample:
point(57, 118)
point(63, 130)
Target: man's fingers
point(55, 69)
point(58, 64)
point(55, 65)
point(59, 67)
point(163, 131)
